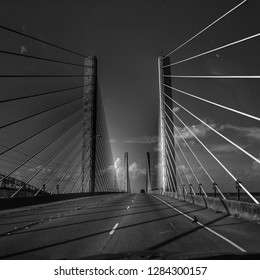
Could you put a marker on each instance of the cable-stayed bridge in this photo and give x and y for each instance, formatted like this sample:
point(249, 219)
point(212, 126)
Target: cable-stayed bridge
point(60, 196)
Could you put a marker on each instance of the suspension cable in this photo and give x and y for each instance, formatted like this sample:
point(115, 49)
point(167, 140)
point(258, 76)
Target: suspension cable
point(172, 167)
point(73, 176)
point(35, 154)
point(190, 148)
point(80, 177)
point(213, 50)
point(40, 58)
point(196, 35)
point(196, 158)
point(177, 158)
point(214, 103)
point(39, 113)
point(220, 134)
point(85, 180)
point(75, 160)
point(213, 76)
point(167, 147)
point(41, 76)
point(37, 133)
point(219, 162)
point(60, 165)
point(65, 174)
point(47, 162)
point(172, 189)
point(40, 40)
point(39, 94)
point(78, 183)
point(170, 172)
point(183, 169)
point(57, 153)
point(196, 178)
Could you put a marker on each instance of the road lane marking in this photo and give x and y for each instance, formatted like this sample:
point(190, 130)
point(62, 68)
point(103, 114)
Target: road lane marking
point(173, 225)
point(114, 228)
point(167, 231)
point(207, 228)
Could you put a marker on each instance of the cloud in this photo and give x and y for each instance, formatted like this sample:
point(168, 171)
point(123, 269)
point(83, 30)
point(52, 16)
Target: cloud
point(135, 171)
point(145, 139)
point(117, 163)
point(157, 148)
point(60, 175)
point(224, 148)
point(176, 109)
point(108, 170)
point(200, 130)
point(119, 169)
point(252, 133)
point(39, 167)
point(187, 172)
point(23, 50)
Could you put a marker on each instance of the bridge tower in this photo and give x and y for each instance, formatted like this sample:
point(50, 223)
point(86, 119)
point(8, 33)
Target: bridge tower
point(89, 124)
point(148, 174)
point(126, 181)
point(166, 124)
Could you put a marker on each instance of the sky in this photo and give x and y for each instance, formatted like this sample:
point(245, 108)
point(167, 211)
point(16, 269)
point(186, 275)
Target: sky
point(128, 37)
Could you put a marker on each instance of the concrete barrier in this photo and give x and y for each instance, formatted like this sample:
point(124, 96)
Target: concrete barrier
point(246, 210)
point(16, 202)
point(157, 191)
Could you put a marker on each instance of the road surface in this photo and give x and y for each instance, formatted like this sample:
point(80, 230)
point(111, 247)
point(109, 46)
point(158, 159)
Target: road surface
point(138, 225)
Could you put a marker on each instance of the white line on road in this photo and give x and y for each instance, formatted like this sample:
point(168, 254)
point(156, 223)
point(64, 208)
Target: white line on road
point(114, 228)
point(173, 225)
point(207, 228)
point(167, 231)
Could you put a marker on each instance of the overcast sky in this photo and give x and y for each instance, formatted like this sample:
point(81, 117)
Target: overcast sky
point(127, 37)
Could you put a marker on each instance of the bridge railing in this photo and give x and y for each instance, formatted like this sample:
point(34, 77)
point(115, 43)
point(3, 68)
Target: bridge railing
point(199, 153)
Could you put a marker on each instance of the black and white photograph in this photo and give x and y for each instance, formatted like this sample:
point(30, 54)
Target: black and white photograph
point(130, 130)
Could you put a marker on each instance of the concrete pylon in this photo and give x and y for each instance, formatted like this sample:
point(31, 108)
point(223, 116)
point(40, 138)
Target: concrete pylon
point(148, 174)
point(89, 124)
point(166, 125)
point(126, 181)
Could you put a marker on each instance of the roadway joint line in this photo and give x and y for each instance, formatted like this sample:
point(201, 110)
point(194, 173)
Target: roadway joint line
point(205, 227)
point(114, 228)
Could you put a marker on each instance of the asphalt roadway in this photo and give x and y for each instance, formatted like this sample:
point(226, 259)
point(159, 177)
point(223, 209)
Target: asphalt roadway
point(134, 226)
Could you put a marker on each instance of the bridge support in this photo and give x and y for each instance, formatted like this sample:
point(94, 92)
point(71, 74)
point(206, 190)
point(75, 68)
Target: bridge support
point(166, 117)
point(126, 181)
point(89, 123)
point(148, 174)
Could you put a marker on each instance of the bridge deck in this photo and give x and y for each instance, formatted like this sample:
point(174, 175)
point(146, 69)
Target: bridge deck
point(94, 226)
